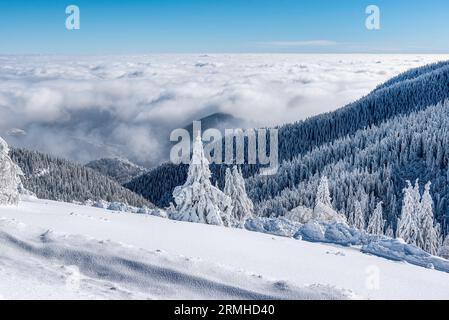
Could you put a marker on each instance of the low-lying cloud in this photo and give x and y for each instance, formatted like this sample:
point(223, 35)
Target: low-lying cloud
point(92, 107)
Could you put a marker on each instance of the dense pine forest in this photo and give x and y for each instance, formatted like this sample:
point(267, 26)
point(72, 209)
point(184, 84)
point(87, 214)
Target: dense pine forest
point(409, 92)
point(370, 166)
point(58, 179)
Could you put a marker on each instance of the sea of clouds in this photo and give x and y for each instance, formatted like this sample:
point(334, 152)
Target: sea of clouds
point(89, 107)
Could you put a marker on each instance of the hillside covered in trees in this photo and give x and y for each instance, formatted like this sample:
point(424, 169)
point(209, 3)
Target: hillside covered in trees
point(370, 166)
point(409, 92)
point(58, 179)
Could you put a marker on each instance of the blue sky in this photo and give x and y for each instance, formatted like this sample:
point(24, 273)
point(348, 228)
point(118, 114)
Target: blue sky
point(178, 26)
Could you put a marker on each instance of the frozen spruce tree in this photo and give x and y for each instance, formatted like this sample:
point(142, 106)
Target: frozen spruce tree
point(9, 177)
point(323, 210)
point(359, 216)
point(376, 222)
point(198, 200)
point(322, 194)
point(407, 228)
point(428, 237)
point(416, 202)
point(242, 206)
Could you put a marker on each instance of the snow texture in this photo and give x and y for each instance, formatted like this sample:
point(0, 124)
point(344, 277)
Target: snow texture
point(299, 214)
point(65, 251)
point(276, 226)
point(398, 250)
point(338, 233)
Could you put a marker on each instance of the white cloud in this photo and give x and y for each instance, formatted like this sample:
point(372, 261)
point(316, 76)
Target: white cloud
point(91, 107)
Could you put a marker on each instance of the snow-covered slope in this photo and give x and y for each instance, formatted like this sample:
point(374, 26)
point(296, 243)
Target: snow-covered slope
point(44, 243)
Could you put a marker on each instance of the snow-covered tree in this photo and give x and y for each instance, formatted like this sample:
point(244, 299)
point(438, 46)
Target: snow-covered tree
point(440, 235)
point(416, 202)
point(323, 195)
point(323, 210)
point(428, 237)
point(242, 206)
point(354, 150)
point(351, 220)
point(359, 217)
point(443, 252)
point(198, 200)
point(376, 222)
point(9, 177)
point(407, 228)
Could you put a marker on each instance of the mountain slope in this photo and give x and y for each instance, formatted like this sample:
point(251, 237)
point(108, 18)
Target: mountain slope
point(117, 169)
point(59, 179)
point(412, 91)
point(44, 243)
point(370, 166)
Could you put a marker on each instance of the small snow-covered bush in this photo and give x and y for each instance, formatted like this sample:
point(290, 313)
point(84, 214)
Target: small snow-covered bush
point(324, 213)
point(299, 214)
point(338, 233)
point(276, 226)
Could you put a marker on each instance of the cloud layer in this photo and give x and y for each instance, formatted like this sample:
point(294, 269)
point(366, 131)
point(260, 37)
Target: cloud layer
point(85, 108)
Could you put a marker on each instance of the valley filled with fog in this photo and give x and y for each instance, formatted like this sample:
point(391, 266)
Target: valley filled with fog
point(92, 107)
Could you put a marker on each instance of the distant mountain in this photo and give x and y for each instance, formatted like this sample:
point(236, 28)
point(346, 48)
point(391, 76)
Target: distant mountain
point(220, 121)
point(58, 179)
point(120, 170)
point(409, 92)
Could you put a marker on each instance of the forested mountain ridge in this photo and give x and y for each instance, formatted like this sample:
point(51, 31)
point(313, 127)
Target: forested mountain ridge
point(61, 180)
point(369, 167)
point(157, 185)
point(413, 74)
point(120, 170)
point(411, 91)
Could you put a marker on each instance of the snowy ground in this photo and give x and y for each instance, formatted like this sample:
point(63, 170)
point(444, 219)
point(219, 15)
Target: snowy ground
point(129, 256)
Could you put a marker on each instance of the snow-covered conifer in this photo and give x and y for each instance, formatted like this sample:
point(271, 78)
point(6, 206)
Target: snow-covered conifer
point(428, 237)
point(9, 177)
point(242, 206)
point(359, 217)
point(351, 220)
point(376, 222)
point(323, 210)
point(407, 228)
point(323, 194)
point(198, 200)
